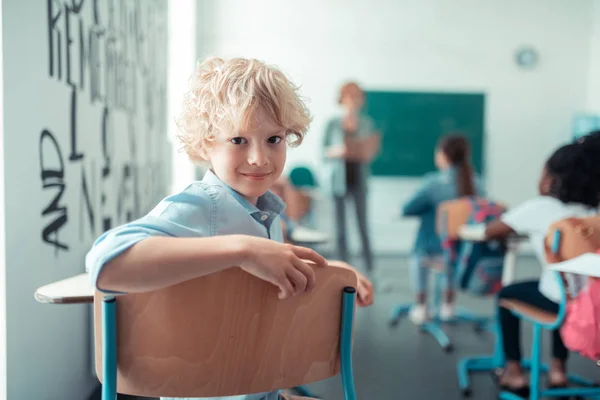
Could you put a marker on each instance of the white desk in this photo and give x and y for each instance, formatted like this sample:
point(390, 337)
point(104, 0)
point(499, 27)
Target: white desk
point(586, 264)
point(74, 290)
point(306, 236)
point(477, 233)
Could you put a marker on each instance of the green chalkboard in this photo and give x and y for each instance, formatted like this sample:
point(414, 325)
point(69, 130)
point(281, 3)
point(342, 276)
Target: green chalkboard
point(412, 122)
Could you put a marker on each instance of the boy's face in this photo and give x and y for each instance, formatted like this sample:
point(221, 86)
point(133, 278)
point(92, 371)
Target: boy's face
point(251, 160)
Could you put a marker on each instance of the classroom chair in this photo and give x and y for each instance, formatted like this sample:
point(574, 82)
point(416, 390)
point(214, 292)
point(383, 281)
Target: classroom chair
point(303, 178)
point(302, 198)
point(451, 215)
point(225, 334)
point(565, 242)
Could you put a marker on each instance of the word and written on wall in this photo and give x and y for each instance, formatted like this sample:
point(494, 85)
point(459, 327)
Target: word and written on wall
point(107, 162)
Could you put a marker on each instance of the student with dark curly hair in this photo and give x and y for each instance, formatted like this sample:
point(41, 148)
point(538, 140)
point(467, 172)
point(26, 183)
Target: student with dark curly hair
point(569, 187)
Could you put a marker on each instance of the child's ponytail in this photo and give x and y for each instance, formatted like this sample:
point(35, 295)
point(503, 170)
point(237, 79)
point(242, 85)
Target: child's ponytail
point(457, 150)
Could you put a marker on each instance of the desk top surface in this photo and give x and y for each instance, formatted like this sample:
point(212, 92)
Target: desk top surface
point(73, 290)
point(586, 264)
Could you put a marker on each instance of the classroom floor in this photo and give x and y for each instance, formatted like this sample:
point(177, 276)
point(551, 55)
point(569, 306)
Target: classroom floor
point(402, 363)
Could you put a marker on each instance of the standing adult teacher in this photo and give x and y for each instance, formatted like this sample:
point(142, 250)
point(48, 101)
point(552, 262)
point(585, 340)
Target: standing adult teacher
point(350, 144)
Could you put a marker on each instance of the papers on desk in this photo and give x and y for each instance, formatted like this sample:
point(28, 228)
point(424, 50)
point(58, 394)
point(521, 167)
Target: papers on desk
point(587, 264)
point(474, 232)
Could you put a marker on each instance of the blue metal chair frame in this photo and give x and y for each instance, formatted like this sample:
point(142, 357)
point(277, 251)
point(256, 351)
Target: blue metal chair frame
point(589, 389)
point(109, 345)
point(434, 325)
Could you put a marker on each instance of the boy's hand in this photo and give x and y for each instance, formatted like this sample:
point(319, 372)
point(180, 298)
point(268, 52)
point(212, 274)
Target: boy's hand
point(364, 291)
point(281, 264)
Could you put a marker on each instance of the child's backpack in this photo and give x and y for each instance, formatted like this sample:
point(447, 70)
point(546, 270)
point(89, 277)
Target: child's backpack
point(580, 330)
point(477, 265)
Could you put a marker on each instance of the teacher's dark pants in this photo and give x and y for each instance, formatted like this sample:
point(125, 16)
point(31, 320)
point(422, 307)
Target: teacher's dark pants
point(358, 194)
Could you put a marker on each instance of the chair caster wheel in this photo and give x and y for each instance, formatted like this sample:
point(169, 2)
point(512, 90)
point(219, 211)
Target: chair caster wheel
point(449, 348)
point(467, 392)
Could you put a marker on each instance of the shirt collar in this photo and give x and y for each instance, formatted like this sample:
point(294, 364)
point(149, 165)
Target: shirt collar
point(268, 202)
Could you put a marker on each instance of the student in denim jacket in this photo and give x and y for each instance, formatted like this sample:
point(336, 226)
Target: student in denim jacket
point(454, 179)
point(237, 116)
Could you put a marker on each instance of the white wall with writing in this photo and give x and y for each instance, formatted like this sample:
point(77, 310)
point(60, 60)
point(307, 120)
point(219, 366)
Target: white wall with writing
point(85, 85)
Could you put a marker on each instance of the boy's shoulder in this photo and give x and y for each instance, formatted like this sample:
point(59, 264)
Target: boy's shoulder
point(197, 195)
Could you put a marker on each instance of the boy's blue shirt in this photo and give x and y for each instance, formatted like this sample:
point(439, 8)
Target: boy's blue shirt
point(205, 208)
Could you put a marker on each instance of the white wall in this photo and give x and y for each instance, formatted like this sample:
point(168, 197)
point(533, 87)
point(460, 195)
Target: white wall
point(433, 45)
point(2, 237)
point(61, 187)
point(182, 60)
point(593, 104)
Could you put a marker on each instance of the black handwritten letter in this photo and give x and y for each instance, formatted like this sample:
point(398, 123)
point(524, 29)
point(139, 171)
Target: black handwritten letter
point(69, 41)
point(76, 7)
point(87, 203)
point(106, 142)
point(75, 155)
point(53, 178)
point(54, 39)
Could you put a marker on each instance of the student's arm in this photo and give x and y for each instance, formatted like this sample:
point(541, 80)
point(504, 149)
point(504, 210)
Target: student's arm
point(524, 219)
point(420, 202)
point(158, 262)
point(178, 244)
point(497, 230)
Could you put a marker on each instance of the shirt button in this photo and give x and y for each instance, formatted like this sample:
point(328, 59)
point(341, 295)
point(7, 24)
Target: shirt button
point(264, 217)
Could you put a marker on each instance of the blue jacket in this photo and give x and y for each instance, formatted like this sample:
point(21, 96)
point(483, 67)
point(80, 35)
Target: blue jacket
point(437, 188)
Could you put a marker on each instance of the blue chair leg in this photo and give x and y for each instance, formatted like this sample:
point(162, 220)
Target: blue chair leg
point(536, 368)
point(433, 327)
point(346, 343)
point(481, 363)
point(398, 312)
point(536, 359)
point(109, 348)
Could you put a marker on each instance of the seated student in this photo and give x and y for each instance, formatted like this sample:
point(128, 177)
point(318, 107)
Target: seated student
point(237, 116)
point(569, 187)
point(454, 179)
